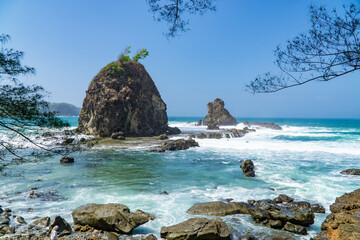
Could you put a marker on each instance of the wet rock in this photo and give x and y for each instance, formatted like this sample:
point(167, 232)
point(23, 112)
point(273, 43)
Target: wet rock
point(317, 208)
point(344, 221)
point(123, 97)
point(278, 237)
point(68, 141)
point(175, 145)
point(67, 160)
point(44, 222)
point(247, 236)
point(271, 125)
point(248, 168)
point(218, 114)
point(295, 228)
point(64, 227)
point(279, 213)
point(118, 136)
point(351, 171)
point(109, 217)
point(163, 137)
point(283, 198)
point(197, 228)
point(212, 126)
point(20, 220)
point(219, 208)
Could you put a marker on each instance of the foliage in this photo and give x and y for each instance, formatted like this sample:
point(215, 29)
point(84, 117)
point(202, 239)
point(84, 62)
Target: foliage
point(141, 54)
point(124, 56)
point(113, 68)
point(22, 107)
point(173, 11)
point(330, 49)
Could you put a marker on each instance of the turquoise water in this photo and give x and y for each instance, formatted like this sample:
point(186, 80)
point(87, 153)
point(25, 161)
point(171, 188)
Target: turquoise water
point(303, 161)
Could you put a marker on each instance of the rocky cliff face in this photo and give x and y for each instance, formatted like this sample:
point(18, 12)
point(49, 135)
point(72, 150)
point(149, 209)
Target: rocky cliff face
point(344, 221)
point(218, 114)
point(122, 97)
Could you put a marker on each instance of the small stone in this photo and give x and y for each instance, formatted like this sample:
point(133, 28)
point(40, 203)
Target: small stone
point(290, 227)
point(20, 220)
point(45, 221)
point(67, 160)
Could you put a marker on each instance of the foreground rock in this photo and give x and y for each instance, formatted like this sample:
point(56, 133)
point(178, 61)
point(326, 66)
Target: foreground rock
point(197, 228)
point(280, 213)
point(109, 217)
point(122, 97)
point(248, 168)
point(351, 171)
point(219, 208)
point(344, 221)
point(218, 114)
point(64, 227)
point(175, 145)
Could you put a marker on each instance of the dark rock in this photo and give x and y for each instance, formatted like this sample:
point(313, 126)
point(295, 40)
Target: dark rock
point(20, 220)
point(165, 193)
point(317, 208)
point(278, 237)
point(219, 208)
point(197, 228)
point(351, 171)
point(163, 137)
point(283, 198)
point(122, 97)
point(344, 221)
point(67, 160)
point(68, 141)
point(109, 217)
point(218, 115)
point(175, 145)
point(118, 136)
point(212, 126)
point(45, 221)
point(295, 228)
point(200, 123)
point(248, 168)
point(267, 125)
point(64, 227)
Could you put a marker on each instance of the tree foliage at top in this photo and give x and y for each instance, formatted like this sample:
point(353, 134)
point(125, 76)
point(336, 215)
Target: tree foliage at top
point(125, 55)
point(22, 107)
point(172, 12)
point(330, 49)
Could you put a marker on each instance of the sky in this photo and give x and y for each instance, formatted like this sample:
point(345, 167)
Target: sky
point(68, 42)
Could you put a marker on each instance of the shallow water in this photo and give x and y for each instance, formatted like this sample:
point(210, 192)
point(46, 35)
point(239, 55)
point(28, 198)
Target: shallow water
point(303, 161)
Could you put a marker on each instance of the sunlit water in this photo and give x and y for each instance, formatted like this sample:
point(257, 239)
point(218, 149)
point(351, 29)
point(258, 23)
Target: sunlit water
point(303, 160)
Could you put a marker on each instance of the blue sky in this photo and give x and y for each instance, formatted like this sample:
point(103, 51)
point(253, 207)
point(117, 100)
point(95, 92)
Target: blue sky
point(69, 41)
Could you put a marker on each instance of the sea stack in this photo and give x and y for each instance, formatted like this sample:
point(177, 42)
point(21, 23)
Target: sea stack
point(122, 97)
point(218, 114)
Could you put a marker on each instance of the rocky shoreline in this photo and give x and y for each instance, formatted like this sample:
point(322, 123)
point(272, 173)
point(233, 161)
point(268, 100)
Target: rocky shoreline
point(116, 221)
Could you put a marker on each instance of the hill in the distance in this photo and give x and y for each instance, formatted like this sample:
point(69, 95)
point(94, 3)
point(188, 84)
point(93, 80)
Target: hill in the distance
point(64, 109)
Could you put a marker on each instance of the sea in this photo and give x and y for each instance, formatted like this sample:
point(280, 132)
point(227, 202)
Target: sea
point(303, 161)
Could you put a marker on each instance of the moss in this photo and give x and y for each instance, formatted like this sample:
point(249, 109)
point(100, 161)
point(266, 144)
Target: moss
point(82, 112)
point(113, 68)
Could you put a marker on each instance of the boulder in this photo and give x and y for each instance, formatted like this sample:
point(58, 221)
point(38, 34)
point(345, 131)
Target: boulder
point(248, 168)
point(351, 171)
point(118, 136)
point(197, 228)
point(175, 145)
point(271, 125)
point(219, 208)
point(64, 227)
point(111, 217)
point(218, 114)
point(122, 97)
point(67, 160)
point(344, 221)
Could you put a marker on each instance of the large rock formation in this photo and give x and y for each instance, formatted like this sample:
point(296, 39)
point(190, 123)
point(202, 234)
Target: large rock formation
point(122, 97)
point(344, 222)
point(109, 217)
point(218, 114)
